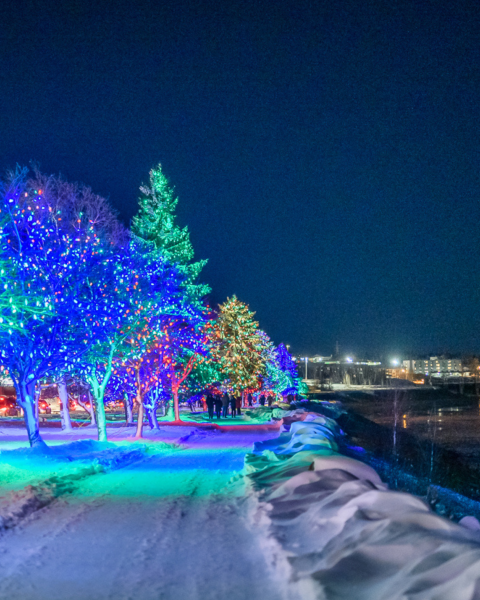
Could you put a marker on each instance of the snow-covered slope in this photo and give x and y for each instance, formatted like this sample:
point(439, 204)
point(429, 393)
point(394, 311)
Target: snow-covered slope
point(346, 536)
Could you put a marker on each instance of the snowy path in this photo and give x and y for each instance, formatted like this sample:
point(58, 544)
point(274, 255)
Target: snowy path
point(168, 527)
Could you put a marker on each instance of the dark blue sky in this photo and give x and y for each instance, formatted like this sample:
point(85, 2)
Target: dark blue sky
point(326, 154)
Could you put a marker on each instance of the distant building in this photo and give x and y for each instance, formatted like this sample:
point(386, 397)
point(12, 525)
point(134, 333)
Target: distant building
point(317, 358)
point(434, 366)
point(323, 371)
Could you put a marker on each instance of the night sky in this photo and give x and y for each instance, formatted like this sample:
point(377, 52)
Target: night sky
point(326, 154)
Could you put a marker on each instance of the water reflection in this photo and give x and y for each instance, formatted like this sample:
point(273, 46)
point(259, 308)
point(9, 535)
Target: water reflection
point(434, 434)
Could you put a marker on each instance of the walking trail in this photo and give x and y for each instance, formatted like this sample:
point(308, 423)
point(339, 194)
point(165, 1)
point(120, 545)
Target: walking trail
point(169, 527)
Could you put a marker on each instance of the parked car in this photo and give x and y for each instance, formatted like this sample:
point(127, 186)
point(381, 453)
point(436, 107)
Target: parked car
point(44, 407)
point(8, 406)
point(72, 405)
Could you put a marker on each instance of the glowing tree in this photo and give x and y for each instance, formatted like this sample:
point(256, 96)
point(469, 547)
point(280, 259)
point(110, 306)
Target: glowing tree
point(288, 366)
point(240, 348)
point(155, 222)
point(273, 378)
point(48, 244)
point(141, 356)
point(131, 288)
point(142, 367)
point(182, 346)
point(121, 386)
point(205, 374)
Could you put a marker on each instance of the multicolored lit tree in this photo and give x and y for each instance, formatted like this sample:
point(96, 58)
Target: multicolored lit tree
point(239, 347)
point(274, 379)
point(141, 366)
point(205, 375)
point(133, 288)
point(178, 351)
point(184, 344)
point(48, 245)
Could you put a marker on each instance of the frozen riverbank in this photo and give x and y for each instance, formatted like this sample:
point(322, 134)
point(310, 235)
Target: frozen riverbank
point(346, 535)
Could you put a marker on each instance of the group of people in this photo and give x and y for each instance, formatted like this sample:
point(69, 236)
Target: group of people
point(224, 405)
point(229, 404)
point(266, 399)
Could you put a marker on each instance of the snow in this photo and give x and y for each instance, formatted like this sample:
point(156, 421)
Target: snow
point(34, 478)
point(249, 416)
point(198, 513)
point(174, 523)
point(347, 536)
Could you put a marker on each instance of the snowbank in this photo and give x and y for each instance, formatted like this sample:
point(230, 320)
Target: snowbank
point(346, 534)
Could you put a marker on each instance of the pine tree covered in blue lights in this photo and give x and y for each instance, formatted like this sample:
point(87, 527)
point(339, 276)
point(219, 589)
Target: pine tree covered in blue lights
point(288, 366)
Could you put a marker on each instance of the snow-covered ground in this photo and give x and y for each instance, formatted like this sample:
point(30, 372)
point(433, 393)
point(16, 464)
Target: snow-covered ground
point(198, 514)
point(170, 523)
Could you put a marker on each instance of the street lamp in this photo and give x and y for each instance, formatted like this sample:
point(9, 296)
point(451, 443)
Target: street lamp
point(305, 358)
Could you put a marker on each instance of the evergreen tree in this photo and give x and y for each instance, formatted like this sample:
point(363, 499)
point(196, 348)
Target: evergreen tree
point(155, 222)
point(274, 379)
point(289, 367)
point(205, 375)
point(240, 348)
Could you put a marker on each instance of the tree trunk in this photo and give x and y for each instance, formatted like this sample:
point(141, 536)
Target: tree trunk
point(91, 410)
point(63, 394)
point(169, 411)
point(38, 391)
point(128, 409)
point(98, 392)
point(139, 432)
point(175, 402)
point(152, 417)
point(100, 417)
point(26, 399)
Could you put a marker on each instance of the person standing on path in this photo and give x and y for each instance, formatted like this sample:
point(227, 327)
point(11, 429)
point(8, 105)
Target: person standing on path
point(239, 405)
point(225, 402)
point(262, 400)
point(210, 404)
point(218, 406)
point(233, 404)
point(250, 400)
